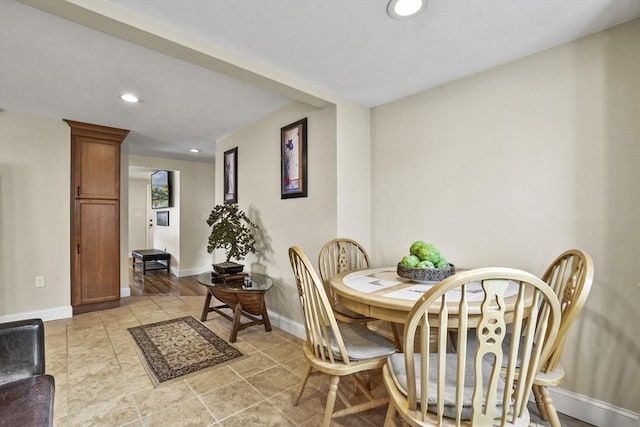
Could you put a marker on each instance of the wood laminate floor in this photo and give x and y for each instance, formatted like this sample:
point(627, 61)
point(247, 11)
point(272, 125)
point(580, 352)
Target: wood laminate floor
point(158, 282)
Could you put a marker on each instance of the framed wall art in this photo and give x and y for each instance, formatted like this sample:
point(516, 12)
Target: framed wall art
point(231, 176)
point(162, 219)
point(160, 189)
point(293, 167)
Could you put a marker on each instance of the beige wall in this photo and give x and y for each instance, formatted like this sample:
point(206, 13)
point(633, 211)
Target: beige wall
point(353, 173)
point(516, 164)
point(35, 164)
point(306, 222)
point(193, 192)
point(137, 214)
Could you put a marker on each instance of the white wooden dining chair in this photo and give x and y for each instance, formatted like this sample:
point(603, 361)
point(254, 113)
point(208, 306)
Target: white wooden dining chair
point(570, 276)
point(332, 348)
point(344, 255)
point(430, 386)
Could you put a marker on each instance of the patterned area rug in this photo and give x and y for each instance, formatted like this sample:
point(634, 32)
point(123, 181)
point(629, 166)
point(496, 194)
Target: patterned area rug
point(178, 347)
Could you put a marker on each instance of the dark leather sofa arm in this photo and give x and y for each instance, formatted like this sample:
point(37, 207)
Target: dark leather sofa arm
point(21, 349)
point(26, 392)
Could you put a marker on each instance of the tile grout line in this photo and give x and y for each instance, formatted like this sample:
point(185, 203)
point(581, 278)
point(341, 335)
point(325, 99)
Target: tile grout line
point(135, 401)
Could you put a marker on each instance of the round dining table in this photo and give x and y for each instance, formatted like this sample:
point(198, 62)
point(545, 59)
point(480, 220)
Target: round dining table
point(381, 294)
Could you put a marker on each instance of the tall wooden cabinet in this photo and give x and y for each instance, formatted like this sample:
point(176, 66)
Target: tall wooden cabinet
point(95, 216)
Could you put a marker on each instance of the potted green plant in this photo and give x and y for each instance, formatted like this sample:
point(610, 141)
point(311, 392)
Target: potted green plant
point(231, 231)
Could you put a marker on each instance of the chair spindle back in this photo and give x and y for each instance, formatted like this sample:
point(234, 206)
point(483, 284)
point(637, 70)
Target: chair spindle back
point(570, 276)
point(509, 297)
point(340, 256)
point(319, 321)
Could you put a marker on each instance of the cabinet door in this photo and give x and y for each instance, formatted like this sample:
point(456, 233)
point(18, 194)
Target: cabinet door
point(97, 252)
point(96, 168)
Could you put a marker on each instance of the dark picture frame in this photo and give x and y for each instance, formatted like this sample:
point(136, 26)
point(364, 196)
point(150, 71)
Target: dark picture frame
point(162, 218)
point(161, 189)
point(231, 176)
point(293, 160)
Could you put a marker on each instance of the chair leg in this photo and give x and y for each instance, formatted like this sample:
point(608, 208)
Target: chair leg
point(307, 373)
point(331, 401)
point(366, 379)
point(389, 419)
point(396, 336)
point(537, 393)
point(550, 410)
point(363, 385)
point(350, 409)
point(354, 387)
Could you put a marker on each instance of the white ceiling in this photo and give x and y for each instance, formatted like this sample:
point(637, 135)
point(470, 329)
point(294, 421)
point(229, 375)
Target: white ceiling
point(347, 48)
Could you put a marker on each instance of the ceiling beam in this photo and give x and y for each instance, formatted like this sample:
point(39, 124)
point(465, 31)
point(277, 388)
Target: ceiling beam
point(111, 19)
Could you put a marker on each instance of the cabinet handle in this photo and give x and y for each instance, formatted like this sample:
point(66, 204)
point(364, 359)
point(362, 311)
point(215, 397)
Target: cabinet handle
point(78, 191)
point(78, 248)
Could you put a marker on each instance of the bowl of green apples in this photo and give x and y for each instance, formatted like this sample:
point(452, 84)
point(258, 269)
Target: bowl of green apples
point(424, 263)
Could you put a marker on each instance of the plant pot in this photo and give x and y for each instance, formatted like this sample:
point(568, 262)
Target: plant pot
point(228, 267)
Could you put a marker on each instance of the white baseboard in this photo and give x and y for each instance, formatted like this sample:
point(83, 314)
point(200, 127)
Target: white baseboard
point(55, 313)
point(125, 292)
point(591, 410)
point(286, 324)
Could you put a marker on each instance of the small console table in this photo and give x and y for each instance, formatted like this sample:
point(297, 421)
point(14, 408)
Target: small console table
point(244, 298)
point(151, 259)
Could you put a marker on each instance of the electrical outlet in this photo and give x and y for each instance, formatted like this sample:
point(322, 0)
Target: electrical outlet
point(39, 281)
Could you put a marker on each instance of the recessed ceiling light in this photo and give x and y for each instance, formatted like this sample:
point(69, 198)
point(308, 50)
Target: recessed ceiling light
point(129, 97)
point(194, 150)
point(403, 9)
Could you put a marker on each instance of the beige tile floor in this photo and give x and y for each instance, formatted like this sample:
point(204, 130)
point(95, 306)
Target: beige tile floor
point(100, 380)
